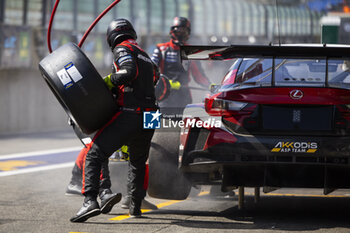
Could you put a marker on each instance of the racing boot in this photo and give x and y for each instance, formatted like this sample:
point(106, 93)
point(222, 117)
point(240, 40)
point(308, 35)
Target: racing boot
point(135, 208)
point(90, 209)
point(73, 189)
point(75, 185)
point(144, 204)
point(108, 200)
point(125, 202)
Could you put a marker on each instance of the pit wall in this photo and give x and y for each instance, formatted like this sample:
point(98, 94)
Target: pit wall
point(27, 104)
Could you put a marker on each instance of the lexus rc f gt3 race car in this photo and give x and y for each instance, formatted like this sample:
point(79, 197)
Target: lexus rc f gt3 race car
point(280, 118)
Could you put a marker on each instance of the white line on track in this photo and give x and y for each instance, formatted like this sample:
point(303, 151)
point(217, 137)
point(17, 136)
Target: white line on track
point(36, 169)
point(38, 153)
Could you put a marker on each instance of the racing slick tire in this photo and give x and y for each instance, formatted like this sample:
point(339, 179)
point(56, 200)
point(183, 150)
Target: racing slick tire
point(165, 179)
point(78, 87)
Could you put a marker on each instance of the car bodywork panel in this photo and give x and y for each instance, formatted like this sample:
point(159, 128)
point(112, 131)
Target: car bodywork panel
point(284, 123)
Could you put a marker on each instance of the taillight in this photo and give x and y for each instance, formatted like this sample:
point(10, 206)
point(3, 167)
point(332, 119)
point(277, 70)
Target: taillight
point(342, 119)
point(221, 107)
point(247, 118)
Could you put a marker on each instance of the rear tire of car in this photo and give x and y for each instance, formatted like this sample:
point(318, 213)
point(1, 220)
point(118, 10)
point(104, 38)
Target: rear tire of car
point(80, 89)
point(165, 179)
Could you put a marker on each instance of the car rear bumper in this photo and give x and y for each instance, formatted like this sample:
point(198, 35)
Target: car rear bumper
point(272, 161)
point(269, 150)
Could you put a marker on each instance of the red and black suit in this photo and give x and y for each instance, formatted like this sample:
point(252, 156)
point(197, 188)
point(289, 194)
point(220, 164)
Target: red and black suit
point(167, 57)
point(134, 82)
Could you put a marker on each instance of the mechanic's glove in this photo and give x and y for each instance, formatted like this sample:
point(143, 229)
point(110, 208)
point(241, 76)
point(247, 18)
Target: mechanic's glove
point(175, 85)
point(121, 154)
point(125, 151)
point(108, 81)
point(213, 87)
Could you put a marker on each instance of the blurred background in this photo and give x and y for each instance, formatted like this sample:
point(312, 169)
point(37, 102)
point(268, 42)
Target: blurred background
point(26, 103)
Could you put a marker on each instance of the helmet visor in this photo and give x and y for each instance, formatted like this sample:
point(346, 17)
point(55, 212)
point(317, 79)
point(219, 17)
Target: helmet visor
point(180, 34)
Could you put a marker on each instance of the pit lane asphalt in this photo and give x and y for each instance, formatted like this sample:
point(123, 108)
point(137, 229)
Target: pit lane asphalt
point(35, 202)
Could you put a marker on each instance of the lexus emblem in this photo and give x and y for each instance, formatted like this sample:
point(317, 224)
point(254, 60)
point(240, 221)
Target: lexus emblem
point(296, 94)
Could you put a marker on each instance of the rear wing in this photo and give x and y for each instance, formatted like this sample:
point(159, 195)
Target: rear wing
point(199, 52)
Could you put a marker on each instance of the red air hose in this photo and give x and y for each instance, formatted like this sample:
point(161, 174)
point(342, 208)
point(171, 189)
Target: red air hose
point(96, 20)
point(87, 31)
point(50, 25)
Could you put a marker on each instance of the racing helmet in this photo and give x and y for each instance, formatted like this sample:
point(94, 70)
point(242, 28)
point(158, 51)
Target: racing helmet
point(180, 30)
point(118, 31)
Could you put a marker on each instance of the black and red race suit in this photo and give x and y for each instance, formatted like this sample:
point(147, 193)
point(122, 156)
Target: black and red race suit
point(134, 80)
point(167, 57)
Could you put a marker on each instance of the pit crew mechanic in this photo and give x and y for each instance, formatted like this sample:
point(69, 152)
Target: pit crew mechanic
point(134, 82)
point(167, 57)
point(108, 198)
